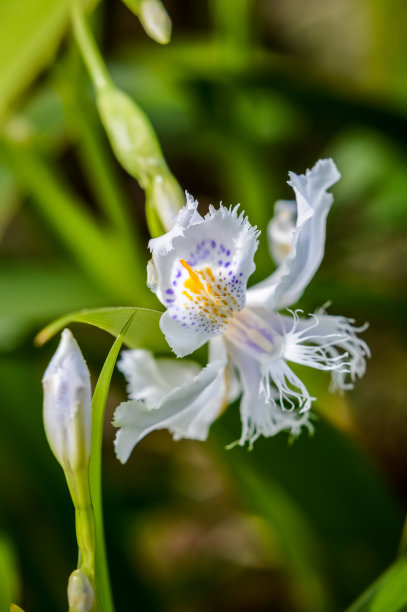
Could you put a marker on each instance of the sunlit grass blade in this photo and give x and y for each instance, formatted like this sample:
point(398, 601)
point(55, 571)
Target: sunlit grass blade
point(27, 42)
point(143, 330)
point(387, 594)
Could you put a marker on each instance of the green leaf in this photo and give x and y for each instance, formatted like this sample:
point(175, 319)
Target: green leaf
point(143, 331)
point(95, 468)
point(387, 594)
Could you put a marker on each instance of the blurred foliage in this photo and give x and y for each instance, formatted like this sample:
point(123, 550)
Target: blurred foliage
point(245, 91)
point(9, 578)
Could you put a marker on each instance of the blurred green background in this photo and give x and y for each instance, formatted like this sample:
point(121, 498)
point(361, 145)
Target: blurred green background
point(245, 91)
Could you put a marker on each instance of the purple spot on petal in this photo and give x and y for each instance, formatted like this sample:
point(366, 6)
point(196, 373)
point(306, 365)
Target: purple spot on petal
point(227, 264)
point(170, 292)
point(220, 262)
point(213, 244)
point(178, 274)
point(228, 252)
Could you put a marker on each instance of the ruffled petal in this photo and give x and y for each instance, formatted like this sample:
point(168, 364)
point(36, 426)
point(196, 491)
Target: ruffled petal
point(199, 271)
point(187, 411)
point(327, 342)
point(285, 286)
point(261, 415)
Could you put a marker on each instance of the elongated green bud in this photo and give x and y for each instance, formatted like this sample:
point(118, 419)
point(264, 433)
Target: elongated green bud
point(137, 148)
point(81, 595)
point(131, 134)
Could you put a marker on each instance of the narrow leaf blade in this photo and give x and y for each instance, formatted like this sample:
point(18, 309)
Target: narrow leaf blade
point(143, 330)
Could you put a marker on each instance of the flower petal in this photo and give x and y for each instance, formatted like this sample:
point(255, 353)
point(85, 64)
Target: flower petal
point(199, 271)
point(187, 411)
point(327, 342)
point(285, 286)
point(263, 416)
point(150, 379)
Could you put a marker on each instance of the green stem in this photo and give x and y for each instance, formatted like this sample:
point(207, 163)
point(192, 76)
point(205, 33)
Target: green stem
point(103, 588)
point(85, 533)
point(79, 488)
point(88, 48)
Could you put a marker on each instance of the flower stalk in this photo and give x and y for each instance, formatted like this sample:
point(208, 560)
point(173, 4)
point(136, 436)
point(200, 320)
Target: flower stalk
point(67, 421)
point(130, 133)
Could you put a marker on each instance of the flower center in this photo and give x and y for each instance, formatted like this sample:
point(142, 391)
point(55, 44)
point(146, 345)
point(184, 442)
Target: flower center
point(202, 289)
point(252, 334)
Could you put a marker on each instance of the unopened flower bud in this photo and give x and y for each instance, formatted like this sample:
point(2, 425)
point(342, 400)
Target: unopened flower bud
point(136, 147)
point(68, 405)
point(81, 595)
point(131, 135)
point(155, 20)
point(281, 229)
point(167, 198)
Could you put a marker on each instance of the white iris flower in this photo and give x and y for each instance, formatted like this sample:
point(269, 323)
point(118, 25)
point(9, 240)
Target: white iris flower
point(199, 271)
